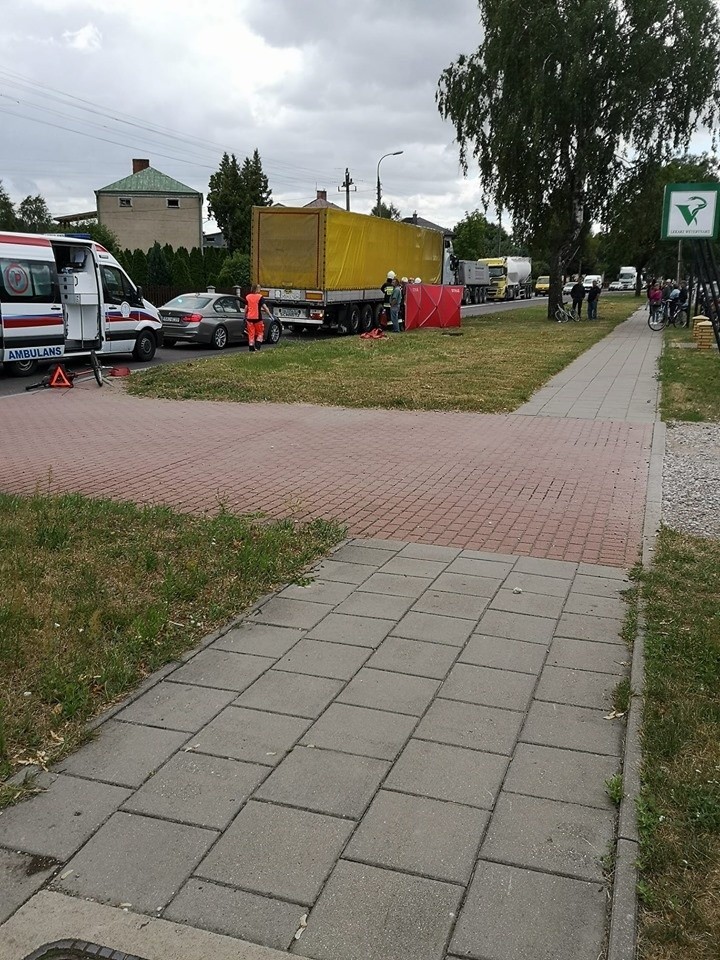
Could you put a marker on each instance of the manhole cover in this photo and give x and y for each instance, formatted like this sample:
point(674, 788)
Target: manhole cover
point(77, 949)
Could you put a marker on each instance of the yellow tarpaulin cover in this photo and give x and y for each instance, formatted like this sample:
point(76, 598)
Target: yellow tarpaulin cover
point(328, 249)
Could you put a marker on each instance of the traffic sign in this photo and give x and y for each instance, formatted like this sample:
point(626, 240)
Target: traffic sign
point(691, 211)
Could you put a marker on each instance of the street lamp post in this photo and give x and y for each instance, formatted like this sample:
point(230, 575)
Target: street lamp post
point(396, 153)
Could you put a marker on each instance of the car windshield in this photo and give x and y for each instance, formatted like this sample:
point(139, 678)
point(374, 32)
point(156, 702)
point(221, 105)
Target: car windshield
point(543, 279)
point(187, 303)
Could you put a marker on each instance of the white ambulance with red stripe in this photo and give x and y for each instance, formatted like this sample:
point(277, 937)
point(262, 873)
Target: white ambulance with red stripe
point(65, 296)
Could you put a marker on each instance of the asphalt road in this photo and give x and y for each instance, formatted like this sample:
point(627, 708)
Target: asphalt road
point(15, 385)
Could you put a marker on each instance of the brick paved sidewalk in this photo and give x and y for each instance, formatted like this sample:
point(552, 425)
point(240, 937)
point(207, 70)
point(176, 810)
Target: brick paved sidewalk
point(408, 750)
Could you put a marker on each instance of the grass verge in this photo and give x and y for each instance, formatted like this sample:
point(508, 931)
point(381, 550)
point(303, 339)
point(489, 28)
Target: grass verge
point(679, 809)
point(97, 595)
point(496, 364)
point(690, 380)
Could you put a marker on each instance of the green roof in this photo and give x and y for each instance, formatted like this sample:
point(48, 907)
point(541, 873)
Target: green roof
point(148, 180)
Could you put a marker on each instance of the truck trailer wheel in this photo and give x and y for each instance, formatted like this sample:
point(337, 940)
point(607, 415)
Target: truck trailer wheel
point(367, 318)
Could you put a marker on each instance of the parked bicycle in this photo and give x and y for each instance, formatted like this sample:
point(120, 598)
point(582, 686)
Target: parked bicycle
point(565, 313)
point(668, 312)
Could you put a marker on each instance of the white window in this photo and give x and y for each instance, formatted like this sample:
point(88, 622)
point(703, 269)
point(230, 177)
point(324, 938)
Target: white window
point(173, 202)
point(124, 201)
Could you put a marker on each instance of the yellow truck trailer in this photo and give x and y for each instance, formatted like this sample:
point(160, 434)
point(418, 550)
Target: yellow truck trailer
point(323, 267)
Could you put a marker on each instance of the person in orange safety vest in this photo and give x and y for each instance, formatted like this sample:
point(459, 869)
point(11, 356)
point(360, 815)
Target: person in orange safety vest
point(254, 327)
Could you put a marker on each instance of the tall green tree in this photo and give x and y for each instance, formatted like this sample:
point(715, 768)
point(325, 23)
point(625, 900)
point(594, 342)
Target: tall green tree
point(476, 237)
point(34, 216)
point(388, 211)
point(634, 217)
point(197, 269)
point(235, 271)
point(100, 233)
point(232, 194)
point(181, 269)
point(8, 220)
point(557, 91)
point(158, 269)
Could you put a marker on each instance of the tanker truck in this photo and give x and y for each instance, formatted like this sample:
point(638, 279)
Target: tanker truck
point(510, 277)
point(323, 268)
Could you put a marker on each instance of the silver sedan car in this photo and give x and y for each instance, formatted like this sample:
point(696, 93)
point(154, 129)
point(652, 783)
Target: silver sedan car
point(217, 319)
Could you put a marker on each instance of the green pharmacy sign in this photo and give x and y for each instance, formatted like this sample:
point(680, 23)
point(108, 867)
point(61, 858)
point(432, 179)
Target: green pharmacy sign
point(691, 211)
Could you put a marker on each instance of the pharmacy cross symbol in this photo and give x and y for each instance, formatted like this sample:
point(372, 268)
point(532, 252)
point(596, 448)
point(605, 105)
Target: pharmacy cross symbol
point(691, 209)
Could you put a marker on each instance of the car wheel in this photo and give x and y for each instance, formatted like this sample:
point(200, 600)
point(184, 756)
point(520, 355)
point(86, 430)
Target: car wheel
point(145, 347)
point(367, 318)
point(169, 342)
point(21, 368)
point(273, 332)
point(219, 338)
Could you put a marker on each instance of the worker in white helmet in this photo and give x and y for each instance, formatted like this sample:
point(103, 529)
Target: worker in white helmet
point(387, 289)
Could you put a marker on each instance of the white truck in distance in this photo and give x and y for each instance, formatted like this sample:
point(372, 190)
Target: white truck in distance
point(627, 278)
point(474, 276)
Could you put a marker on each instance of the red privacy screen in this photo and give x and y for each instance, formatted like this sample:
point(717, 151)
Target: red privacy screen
point(428, 305)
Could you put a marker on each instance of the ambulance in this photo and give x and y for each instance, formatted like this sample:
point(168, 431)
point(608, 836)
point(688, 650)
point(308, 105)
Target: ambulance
point(67, 296)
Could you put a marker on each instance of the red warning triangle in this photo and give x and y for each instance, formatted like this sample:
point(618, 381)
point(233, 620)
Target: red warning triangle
point(59, 377)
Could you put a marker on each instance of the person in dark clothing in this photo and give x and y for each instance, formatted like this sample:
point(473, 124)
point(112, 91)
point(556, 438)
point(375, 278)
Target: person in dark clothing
point(578, 295)
point(592, 298)
point(387, 289)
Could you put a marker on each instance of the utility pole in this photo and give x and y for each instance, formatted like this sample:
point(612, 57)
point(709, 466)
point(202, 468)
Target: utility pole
point(395, 153)
point(347, 185)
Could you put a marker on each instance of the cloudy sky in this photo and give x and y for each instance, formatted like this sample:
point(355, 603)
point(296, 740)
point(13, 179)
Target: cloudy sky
point(315, 85)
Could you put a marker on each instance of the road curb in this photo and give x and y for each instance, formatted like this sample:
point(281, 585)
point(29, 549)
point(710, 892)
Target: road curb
point(622, 944)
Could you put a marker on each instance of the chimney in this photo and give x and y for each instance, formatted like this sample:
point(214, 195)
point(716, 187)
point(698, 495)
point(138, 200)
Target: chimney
point(322, 195)
point(139, 165)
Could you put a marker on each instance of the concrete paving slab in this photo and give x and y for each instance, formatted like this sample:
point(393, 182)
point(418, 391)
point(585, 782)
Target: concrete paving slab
point(488, 686)
point(416, 657)
point(613, 658)
point(369, 556)
point(198, 789)
point(366, 913)
point(374, 605)
point(532, 583)
point(254, 736)
point(601, 570)
point(335, 569)
point(568, 775)
point(259, 638)
point(277, 851)
point(517, 626)
point(504, 654)
point(414, 566)
point(448, 773)
point(600, 586)
point(466, 725)
point(56, 822)
point(235, 913)
point(384, 543)
point(396, 585)
point(594, 606)
point(222, 670)
point(456, 605)
point(338, 661)
point(489, 568)
point(574, 728)
point(177, 706)
point(325, 781)
point(137, 860)
point(534, 604)
point(357, 730)
point(21, 875)
point(302, 614)
point(396, 692)
point(467, 584)
point(356, 631)
point(433, 628)
point(296, 694)
point(549, 835)
point(515, 914)
point(429, 551)
point(123, 753)
point(546, 568)
point(319, 591)
point(599, 629)
point(428, 837)
point(580, 688)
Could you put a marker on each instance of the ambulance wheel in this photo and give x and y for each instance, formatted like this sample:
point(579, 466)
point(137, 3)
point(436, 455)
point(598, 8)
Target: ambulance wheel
point(367, 318)
point(144, 347)
point(219, 338)
point(21, 368)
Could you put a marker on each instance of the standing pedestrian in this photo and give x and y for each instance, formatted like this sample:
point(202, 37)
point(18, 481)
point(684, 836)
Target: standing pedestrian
point(655, 298)
point(578, 295)
point(387, 289)
point(395, 301)
point(592, 298)
point(255, 306)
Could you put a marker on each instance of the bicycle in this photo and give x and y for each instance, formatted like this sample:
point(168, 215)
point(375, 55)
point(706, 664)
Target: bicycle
point(668, 312)
point(658, 316)
point(564, 314)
